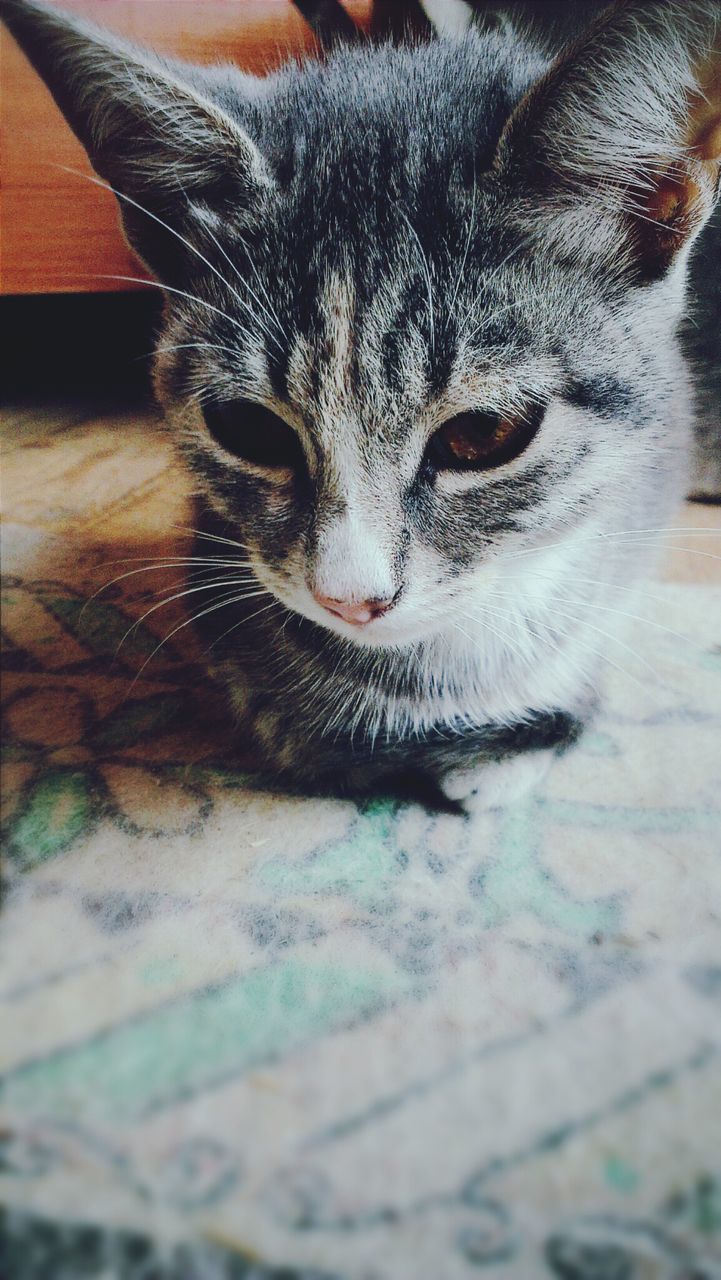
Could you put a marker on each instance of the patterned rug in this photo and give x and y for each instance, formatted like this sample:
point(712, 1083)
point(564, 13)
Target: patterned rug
point(252, 1035)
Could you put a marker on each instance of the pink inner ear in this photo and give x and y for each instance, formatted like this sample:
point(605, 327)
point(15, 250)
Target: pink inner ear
point(673, 201)
point(683, 196)
point(708, 143)
point(666, 217)
point(705, 108)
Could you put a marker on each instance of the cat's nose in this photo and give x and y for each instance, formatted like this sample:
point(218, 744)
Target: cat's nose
point(357, 612)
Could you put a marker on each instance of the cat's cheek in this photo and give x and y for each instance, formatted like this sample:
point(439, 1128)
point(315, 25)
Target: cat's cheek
point(275, 521)
point(279, 499)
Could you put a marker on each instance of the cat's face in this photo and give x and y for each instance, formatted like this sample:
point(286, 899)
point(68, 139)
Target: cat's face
point(420, 301)
point(396, 421)
point(412, 380)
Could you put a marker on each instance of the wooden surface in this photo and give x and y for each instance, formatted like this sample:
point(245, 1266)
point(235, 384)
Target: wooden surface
point(58, 230)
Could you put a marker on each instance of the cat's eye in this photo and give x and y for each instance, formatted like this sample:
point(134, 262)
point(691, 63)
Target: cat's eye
point(254, 433)
point(476, 441)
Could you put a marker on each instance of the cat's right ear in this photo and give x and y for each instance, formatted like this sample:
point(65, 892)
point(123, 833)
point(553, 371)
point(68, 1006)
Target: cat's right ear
point(151, 129)
point(615, 154)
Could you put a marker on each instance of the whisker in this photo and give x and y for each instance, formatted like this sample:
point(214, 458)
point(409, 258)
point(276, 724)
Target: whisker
point(488, 280)
point(212, 537)
point(268, 310)
point(121, 576)
point(98, 182)
point(690, 551)
point(504, 638)
point(195, 618)
point(427, 273)
point(622, 613)
point(166, 348)
point(608, 635)
point(248, 579)
point(592, 582)
point(490, 319)
point(257, 613)
point(179, 595)
point(504, 615)
point(204, 395)
point(195, 575)
point(171, 560)
point(166, 288)
point(631, 534)
point(592, 649)
point(695, 530)
point(150, 568)
point(471, 228)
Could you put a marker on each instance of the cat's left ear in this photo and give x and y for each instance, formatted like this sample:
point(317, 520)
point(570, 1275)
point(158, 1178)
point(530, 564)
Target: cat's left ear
point(155, 130)
point(616, 151)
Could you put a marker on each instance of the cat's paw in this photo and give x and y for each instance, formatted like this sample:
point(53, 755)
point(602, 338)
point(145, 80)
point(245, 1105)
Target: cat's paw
point(496, 783)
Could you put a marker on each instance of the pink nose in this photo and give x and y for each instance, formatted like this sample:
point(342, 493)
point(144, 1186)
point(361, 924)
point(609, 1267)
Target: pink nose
point(357, 612)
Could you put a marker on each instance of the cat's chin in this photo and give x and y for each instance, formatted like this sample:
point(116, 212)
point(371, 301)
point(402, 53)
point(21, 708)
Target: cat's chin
point(391, 631)
point(383, 633)
point(374, 635)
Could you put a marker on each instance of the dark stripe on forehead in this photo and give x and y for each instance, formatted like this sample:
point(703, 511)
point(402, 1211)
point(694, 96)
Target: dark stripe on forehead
point(437, 331)
point(393, 344)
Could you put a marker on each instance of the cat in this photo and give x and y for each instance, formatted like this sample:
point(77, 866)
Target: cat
point(420, 353)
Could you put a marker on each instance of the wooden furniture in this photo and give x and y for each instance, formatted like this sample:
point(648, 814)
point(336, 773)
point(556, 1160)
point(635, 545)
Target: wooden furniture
point(58, 230)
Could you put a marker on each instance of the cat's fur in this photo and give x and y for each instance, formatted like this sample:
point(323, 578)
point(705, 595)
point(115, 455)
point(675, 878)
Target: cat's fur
point(556, 21)
point(369, 245)
point(551, 23)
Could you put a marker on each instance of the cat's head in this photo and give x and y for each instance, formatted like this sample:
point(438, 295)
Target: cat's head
point(420, 301)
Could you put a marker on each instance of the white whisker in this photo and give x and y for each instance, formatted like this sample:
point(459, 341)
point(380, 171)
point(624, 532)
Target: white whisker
point(171, 560)
point(151, 568)
point(622, 613)
point(98, 182)
point(226, 583)
point(488, 320)
point(212, 537)
point(268, 310)
point(195, 618)
point(165, 349)
point(504, 638)
point(584, 644)
point(652, 535)
point(489, 280)
point(471, 228)
point(427, 273)
point(668, 546)
point(257, 613)
point(166, 288)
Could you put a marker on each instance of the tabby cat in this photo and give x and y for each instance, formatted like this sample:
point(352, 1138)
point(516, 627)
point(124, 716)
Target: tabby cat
point(420, 352)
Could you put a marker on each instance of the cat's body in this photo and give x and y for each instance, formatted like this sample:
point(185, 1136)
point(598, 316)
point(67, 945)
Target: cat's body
point(453, 287)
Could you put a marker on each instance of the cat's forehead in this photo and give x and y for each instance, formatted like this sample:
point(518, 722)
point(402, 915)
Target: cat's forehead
point(385, 276)
point(369, 373)
point(341, 369)
point(376, 136)
point(395, 105)
point(388, 222)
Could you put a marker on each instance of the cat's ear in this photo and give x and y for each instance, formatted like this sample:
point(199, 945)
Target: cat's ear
point(620, 142)
point(151, 129)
